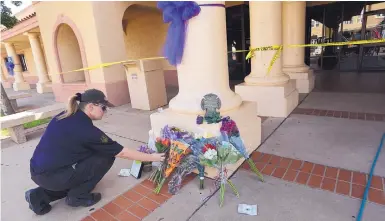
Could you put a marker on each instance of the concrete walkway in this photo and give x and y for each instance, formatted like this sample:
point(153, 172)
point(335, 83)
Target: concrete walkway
point(278, 200)
point(341, 143)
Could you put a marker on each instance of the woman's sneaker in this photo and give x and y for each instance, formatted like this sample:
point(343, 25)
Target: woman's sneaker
point(36, 204)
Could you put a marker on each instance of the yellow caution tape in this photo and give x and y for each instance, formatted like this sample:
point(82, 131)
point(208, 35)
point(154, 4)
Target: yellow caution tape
point(250, 53)
point(280, 47)
point(103, 65)
point(276, 56)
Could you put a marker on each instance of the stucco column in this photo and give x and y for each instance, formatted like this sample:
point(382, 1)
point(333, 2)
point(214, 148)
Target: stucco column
point(4, 73)
point(294, 33)
point(265, 30)
point(204, 68)
point(40, 64)
point(20, 83)
point(274, 92)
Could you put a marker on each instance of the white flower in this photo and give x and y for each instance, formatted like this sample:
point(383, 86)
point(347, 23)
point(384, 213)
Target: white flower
point(210, 154)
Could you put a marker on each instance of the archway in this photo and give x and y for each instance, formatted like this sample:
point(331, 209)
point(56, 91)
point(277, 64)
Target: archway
point(144, 31)
point(69, 54)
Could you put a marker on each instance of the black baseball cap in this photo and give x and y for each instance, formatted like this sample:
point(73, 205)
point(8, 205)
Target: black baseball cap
point(94, 96)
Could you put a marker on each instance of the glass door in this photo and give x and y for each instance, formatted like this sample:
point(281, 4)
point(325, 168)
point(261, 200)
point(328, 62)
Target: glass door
point(372, 56)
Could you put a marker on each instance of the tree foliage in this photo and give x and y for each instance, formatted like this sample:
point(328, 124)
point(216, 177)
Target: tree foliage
point(7, 19)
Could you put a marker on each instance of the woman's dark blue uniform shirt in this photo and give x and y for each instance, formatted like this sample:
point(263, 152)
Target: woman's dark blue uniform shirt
point(68, 141)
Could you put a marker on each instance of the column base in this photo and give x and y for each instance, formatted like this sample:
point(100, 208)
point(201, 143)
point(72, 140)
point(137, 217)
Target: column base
point(21, 86)
point(248, 123)
point(44, 88)
point(267, 80)
point(304, 81)
point(273, 101)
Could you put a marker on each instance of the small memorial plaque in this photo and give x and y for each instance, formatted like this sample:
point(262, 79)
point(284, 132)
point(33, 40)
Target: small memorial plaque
point(134, 76)
point(211, 104)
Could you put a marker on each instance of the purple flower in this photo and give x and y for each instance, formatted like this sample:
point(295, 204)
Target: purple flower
point(199, 120)
point(145, 149)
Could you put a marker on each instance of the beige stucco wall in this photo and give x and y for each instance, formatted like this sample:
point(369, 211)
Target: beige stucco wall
point(81, 14)
point(110, 32)
point(25, 12)
point(108, 21)
point(100, 26)
point(376, 6)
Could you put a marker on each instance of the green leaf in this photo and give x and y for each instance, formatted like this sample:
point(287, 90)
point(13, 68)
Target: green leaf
point(233, 188)
point(254, 169)
point(209, 163)
point(222, 194)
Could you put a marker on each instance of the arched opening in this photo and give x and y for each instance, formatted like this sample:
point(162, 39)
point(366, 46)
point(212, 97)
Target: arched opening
point(69, 55)
point(144, 31)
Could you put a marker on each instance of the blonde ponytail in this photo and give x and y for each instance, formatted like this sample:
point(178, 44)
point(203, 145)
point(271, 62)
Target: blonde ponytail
point(72, 107)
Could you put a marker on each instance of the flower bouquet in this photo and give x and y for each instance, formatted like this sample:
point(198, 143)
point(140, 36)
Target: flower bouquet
point(218, 153)
point(174, 133)
point(230, 133)
point(188, 164)
point(178, 150)
point(196, 149)
point(162, 146)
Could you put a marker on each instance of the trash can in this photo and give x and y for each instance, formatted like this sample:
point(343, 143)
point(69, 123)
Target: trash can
point(146, 83)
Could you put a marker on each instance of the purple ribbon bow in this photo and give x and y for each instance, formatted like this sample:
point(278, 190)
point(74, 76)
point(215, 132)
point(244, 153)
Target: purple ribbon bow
point(177, 13)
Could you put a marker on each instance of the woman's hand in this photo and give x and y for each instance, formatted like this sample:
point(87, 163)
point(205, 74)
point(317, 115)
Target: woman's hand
point(157, 157)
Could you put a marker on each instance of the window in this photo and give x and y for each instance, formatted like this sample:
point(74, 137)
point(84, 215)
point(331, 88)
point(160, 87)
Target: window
point(380, 15)
point(23, 62)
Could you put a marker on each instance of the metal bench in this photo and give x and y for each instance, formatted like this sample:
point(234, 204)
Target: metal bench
point(14, 123)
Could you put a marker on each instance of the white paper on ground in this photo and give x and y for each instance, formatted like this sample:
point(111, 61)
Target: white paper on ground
point(248, 209)
point(125, 172)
